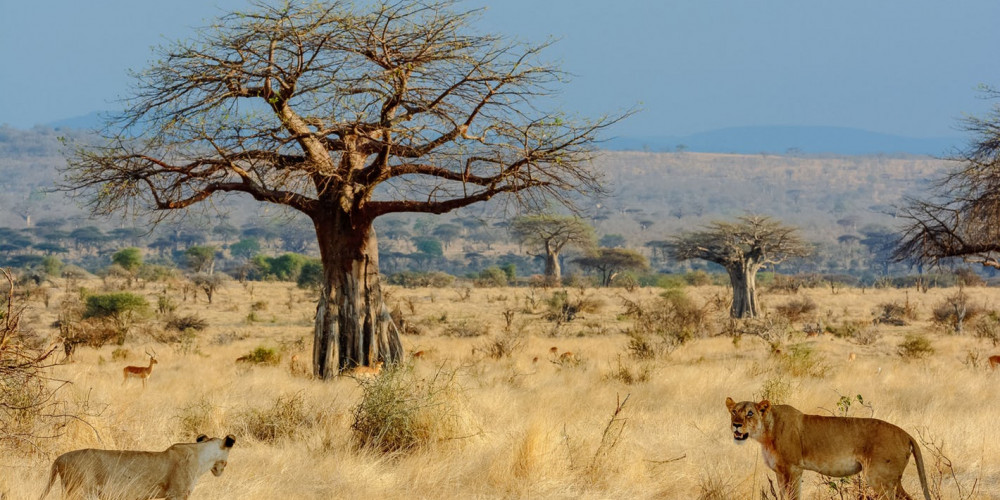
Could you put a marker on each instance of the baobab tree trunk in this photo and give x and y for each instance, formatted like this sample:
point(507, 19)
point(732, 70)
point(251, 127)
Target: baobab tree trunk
point(353, 326)
point(744, 280)
point(553, 273)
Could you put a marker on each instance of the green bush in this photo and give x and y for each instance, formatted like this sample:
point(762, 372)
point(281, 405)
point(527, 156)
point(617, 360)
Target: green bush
point(491, 277)
point(262, 356)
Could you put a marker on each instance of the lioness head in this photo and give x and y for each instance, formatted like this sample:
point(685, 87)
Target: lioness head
point(747, 418)
point(216, 450)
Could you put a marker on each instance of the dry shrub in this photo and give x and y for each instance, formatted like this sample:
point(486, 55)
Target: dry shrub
point(281, 420)
point(400, 412)
point(796, 309)
point(891, 313)
point(503, 345)
point(29, 412)
point(200, 417)
point(630, 373)
point(801, 360)
point(860, 332)
point(189, 322)
point(955, 310)
point(915, 346)
point(987, 327)
point(673, 318)
point(120, 354)
point(776, 389)
point(467, 328)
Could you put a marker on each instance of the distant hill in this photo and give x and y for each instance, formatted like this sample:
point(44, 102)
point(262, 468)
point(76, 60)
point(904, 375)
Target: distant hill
point(736, 140)
point(790, 139)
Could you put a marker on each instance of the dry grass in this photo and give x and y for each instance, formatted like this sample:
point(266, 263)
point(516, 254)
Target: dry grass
point(529, 428)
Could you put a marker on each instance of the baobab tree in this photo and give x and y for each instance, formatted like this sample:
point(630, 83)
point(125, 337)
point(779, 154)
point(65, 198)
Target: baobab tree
point(549, 234)
point(742, 248)
point(344, 115)
point(960, 217)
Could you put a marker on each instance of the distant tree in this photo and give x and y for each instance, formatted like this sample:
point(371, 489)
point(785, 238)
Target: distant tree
point(960, 218)
point(88, 237)
point(549, 234)
point(122, 308)
point(226, 231)
point(613, 241)
point(200, 258)
point(343, 113)
point(129, 258)
point(208, 283)
point(311, 275)
point(742, 248)
point(245, 248)
point(610, 262)
point(447, 233)
point(881, 243)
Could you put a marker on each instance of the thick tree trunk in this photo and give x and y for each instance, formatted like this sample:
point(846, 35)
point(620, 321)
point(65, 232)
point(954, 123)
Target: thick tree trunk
point(744, 280)
point(353, 326)
point(553, 273)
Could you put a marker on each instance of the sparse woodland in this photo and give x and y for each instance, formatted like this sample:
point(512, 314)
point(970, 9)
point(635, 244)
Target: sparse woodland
point(493, 407)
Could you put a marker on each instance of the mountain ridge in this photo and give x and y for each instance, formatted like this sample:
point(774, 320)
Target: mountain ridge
point(770, 139)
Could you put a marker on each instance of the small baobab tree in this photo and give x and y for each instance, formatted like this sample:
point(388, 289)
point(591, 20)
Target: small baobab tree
point(344, 113)
point(549, 234)
point(742, 248)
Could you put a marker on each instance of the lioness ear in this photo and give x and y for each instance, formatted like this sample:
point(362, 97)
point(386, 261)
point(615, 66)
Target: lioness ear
point(730, 403)
point(763, 406)
point(229, 442)
point(201, 438)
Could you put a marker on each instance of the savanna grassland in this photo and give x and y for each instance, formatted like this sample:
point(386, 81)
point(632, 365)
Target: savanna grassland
point(488, 411)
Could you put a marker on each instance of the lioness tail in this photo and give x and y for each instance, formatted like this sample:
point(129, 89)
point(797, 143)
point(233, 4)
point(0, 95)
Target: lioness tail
point(52, 479)
point(919, 459)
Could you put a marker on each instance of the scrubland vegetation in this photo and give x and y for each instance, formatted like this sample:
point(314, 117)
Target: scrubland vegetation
point(494, 408)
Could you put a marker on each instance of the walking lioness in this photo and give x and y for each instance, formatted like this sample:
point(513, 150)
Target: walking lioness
point(833, 446)
point(139, 475)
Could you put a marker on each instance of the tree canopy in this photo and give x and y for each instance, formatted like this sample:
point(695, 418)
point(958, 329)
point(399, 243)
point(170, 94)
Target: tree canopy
point(960, 217)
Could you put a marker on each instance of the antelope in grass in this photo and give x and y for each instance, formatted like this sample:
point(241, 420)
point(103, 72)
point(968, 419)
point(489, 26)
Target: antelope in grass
point(142, 372)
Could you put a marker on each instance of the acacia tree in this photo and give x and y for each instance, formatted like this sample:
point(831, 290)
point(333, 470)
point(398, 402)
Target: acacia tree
point(550, 233)
point(960, 218)
point(742, 248)
point(344, 115)
point(610, 262)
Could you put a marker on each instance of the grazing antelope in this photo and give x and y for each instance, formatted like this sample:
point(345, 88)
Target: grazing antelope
point(852, 356)
point(553, 350)
point(365, 371)
point(418, 354)
point(142, 372)
point(567, 357)
point(994, 361)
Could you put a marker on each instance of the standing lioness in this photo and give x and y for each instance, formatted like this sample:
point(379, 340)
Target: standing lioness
point(139, 475)
point(833, 446)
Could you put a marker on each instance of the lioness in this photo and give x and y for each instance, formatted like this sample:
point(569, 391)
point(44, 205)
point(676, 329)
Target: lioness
point(833, 446)
point(141, 475)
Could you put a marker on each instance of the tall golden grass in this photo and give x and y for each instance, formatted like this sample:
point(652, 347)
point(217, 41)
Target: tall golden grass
point(526, 423)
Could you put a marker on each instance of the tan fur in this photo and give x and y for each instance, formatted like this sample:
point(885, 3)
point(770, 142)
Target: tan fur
point(833, 446)
point(553, 350)
point(567, 357)
point(117, 474)
point(418, 354)
point(852, 356)
point(141, 372)
point(994, 361)
point(365, 371)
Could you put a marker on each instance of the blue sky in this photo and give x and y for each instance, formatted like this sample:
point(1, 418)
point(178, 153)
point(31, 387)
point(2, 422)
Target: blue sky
point(892, 66)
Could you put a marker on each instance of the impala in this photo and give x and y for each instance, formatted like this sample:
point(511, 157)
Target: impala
point(141, 372)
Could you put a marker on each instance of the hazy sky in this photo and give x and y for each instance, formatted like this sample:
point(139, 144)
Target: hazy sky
point(905, 67)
